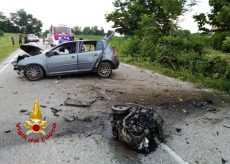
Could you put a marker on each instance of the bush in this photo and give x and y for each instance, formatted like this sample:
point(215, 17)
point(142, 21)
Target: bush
point(218, 38)
point(226, 45)
point(1, 33)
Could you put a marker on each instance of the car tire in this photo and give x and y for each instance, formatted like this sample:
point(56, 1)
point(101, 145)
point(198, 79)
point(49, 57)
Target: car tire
point(33, 72)
point(104, 69)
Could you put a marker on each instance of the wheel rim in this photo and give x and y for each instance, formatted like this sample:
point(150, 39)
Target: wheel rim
point(104, 69)
point(33, 72)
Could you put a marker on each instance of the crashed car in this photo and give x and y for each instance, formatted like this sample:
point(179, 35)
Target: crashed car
point(67, 58)
point(32, 38)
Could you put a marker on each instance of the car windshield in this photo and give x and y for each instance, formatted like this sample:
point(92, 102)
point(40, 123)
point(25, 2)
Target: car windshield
point(62, 30)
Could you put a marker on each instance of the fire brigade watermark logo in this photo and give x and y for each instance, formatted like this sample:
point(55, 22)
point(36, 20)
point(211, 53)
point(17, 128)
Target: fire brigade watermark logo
point(36, 126)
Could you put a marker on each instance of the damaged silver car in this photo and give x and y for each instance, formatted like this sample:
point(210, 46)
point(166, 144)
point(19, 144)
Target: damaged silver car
point(68, 58)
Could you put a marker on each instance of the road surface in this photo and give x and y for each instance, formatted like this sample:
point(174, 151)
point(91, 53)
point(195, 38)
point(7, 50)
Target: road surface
point(193, 135)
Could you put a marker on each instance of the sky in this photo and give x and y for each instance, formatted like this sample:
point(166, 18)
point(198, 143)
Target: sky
point(83, 12)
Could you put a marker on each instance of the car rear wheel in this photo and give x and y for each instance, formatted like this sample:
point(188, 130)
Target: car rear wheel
point(33, 72)
point(104, 69)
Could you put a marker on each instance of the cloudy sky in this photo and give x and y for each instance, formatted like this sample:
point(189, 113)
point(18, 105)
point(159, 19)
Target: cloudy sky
point(82, 12)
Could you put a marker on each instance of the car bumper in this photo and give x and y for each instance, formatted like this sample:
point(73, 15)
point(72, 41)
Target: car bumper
point(17, 67)
point(116, 64)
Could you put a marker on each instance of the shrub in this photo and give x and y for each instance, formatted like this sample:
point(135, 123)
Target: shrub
point(226, 45)
point(1, 33)
point(218, 38)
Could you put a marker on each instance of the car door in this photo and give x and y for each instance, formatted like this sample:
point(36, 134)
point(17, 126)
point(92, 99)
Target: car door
point(88, 55)
point(62, 59)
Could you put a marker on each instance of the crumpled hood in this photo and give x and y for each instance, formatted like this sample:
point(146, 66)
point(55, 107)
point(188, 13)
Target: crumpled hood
point(31, 49)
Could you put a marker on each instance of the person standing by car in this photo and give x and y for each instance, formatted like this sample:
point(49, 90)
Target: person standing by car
point(60, 39)
point(25, 39)
point(20, 39)
point(12, 37)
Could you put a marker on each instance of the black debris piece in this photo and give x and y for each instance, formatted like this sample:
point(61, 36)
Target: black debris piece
point(224, 161)
point(55, 110)
point(7, 131)
point(178, 130)
point(23, 110)
point(43, 106)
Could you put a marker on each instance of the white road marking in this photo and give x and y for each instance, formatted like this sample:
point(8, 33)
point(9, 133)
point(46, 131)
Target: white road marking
point(173, 154)
point(9, 62)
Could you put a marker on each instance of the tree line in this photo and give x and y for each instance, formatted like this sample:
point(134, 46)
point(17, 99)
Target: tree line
point(20, 22)
point(94, 30)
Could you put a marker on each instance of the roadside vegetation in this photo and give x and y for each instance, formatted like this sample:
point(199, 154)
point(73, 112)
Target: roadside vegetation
point(153, 40)
point(5, 45)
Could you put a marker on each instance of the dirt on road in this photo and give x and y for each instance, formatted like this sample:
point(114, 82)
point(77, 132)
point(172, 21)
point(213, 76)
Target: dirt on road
point(81, 107)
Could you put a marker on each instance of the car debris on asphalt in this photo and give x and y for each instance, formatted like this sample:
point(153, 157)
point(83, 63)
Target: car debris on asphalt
point(69, 118)
point(7, 131)
point(55, 111)
point(139, 127)
point(78, 103)
point(23, 110)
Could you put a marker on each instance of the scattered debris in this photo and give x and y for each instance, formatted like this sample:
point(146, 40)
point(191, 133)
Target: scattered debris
point(7, 131)
point(43, 106)
point(217, 133)
point(139, 127)
point(178, 130)
point(69, 118)
point(55, 111)
point(78, 103)
point(226, 126)
point(23, 110)
point(15, 92)
point(205, 105)
point(185, 111)
point(223, 161)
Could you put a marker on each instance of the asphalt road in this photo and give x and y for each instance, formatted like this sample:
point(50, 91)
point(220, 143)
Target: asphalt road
point(203, 136)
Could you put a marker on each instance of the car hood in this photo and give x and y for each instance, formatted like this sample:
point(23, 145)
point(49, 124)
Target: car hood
point(31, 49)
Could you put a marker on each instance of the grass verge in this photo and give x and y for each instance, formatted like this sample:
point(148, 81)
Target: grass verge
point(6, 47)
point(198, 79)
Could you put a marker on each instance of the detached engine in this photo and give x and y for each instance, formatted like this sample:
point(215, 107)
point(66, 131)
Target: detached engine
point(139, 127)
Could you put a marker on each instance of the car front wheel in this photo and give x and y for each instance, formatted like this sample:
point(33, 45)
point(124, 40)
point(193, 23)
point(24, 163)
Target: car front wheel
point(33, 72)
point(104, 69)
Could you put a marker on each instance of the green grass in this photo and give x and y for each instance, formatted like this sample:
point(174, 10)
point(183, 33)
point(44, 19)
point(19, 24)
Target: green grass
point(216, 53)
point(6, 47)
point(88, 37)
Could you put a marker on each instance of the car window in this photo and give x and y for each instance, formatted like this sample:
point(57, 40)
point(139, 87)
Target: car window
point(65, 49)
point(88, 46)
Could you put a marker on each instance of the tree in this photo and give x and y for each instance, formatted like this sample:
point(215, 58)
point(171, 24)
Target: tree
point(128, 13)
point(6, 25)
point(77, 30)
point(26, 22)
point(219, 18)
